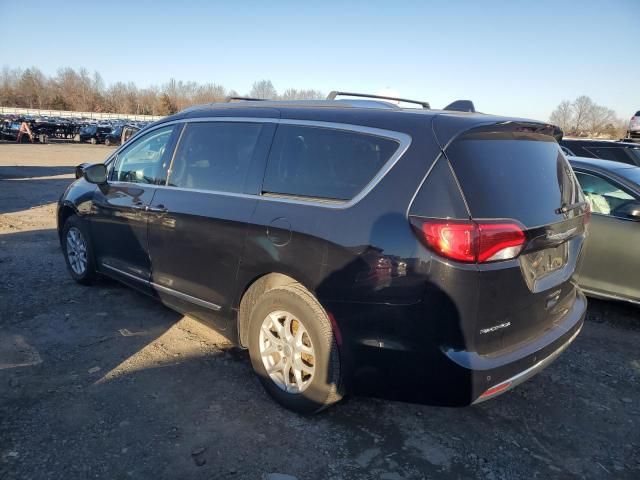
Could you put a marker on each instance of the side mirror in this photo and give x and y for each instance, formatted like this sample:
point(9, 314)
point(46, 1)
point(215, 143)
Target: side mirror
point(80, 169)
point(96, 173)
point(631, 210)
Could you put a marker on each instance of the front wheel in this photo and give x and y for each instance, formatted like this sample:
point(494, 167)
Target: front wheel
point(293, 350)
point(107, 142)
point(78, 251)
point(93, 141)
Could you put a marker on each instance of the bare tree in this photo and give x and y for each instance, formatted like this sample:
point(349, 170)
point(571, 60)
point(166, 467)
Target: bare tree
point(295, 94)
point(584, 117)
point(263, 89)
point(71, 89)
point(581, 108)
point(599, 119)
point(562, 116)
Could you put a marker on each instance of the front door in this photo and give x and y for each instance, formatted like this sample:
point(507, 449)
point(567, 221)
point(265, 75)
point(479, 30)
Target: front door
point(611, 257)
point(198, 221)
point(119, 216)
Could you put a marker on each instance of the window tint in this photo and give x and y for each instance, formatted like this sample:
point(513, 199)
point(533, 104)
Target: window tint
point(566, 151)
point(505, 175)
point(214, 156)
point(630, 173)
point(439, 196)
point(623, 155)
point(603, 196)
point(144, 160)
point(324, 163)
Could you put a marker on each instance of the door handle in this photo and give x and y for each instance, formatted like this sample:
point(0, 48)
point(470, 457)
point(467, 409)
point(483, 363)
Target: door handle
point(157, 209)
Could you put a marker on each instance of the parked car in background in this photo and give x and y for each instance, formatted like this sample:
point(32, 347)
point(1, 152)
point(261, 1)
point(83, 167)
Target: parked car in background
point(120, 134)
point(342, 248)
point(611, 260)
point(624, 152)
point(9, 131)
point(94, 133)
point(634, 127)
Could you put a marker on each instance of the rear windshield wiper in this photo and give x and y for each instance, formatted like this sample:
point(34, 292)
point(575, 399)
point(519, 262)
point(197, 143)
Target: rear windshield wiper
point(567, 207)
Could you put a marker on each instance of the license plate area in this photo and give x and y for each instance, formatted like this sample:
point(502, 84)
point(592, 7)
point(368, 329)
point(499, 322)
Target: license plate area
point(541, 263)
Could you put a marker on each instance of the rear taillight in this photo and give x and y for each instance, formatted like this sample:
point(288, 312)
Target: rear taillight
point(471, 241)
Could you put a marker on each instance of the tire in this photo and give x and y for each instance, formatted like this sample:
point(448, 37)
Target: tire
point(107, 142)
point(93, 141)
point(73, 232)
point(321, 388)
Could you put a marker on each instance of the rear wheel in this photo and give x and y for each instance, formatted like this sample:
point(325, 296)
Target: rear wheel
point(93, 141)
point(78, 251)
point(293, 350)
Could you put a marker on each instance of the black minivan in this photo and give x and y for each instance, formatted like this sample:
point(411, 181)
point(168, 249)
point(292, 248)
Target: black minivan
point(351, 246)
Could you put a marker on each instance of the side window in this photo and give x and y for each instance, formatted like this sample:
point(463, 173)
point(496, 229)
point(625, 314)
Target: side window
point(214, 156)
point(324, 163)
point(615, 154)
point(144, 160)
point(603, 196)
point(566, 151)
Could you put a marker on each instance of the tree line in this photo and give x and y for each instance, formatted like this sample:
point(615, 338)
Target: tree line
point(80, 90)
point(585, 118)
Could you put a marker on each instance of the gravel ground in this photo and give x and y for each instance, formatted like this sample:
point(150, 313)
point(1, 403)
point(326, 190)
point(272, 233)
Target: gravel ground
point(102, 382)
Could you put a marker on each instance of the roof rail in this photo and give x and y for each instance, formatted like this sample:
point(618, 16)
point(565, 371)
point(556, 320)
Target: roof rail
point(243, 99)
point(461, 106)
point(335, 93)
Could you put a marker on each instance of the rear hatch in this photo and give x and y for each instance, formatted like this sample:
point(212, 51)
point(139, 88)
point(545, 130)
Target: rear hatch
point(530, 214)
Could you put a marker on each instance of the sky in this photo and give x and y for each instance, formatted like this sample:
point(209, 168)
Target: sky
point(519, 58)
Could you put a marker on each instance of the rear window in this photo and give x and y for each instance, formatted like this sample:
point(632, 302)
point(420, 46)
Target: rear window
point(624, 155)
point(324, 163)
point(514, 175)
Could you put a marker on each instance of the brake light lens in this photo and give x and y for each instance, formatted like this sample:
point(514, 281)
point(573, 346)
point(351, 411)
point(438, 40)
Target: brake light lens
point(499, 241)
point(451, 240)
point(470, 241)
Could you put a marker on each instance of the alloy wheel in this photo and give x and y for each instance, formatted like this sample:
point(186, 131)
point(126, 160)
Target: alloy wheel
point(287, 351)
point(77, 250)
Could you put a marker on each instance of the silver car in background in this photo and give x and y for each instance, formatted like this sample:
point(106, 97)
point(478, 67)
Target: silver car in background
point(611, 257)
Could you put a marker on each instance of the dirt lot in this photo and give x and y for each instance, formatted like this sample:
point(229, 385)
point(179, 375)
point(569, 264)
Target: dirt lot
point(102, 382)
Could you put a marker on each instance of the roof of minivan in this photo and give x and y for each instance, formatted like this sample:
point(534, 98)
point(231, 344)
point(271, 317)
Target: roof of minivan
point(385, 108)
point(449, 123)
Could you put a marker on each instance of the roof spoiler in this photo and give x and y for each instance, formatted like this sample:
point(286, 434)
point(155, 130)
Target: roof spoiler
point(335, 93)
point(461, 106)
point(243, 99)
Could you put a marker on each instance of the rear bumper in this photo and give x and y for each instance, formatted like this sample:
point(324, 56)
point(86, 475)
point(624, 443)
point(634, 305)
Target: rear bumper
point(409, 367)
point(525, 375)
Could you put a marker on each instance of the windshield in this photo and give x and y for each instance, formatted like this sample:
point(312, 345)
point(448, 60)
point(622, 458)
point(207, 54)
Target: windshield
point(632, 174)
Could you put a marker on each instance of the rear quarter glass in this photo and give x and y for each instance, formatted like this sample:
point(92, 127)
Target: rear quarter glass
point(520, 176)
point(439, 195)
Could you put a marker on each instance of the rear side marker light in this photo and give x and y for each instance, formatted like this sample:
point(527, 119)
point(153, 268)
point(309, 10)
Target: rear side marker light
point(501, 387)
point(471, 241)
